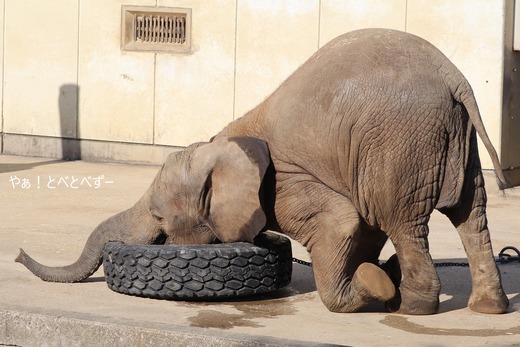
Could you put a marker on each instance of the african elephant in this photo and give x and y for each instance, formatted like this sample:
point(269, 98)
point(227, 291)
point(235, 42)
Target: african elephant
point(359, 145)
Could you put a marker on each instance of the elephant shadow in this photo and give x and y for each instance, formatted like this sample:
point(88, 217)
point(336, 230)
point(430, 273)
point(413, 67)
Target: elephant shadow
point(94, 279)
point(456, 284)
point(455, 291)
point(455, 280)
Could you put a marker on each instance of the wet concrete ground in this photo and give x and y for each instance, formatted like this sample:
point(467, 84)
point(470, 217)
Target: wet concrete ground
point(47, 211)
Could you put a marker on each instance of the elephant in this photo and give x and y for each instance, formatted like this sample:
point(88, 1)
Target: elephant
point(358, 146)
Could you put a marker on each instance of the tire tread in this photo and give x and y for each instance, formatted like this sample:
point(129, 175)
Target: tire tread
point(199, 272)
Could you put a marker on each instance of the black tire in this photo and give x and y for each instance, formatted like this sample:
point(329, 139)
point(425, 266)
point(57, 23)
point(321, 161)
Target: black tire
point(199, 272)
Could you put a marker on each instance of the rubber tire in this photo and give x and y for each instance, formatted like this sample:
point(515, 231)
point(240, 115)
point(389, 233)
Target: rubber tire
point(199, 272)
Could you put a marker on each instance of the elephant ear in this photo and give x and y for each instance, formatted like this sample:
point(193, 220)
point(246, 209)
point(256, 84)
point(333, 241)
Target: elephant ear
point(233, 169)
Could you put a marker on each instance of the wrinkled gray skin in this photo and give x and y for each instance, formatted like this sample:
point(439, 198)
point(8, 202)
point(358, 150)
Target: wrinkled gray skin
point(360, 144)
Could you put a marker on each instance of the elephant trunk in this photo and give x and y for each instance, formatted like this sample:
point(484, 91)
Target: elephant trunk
point(112, 229)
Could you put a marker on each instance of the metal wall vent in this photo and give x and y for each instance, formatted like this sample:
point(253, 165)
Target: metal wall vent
point(159, 29)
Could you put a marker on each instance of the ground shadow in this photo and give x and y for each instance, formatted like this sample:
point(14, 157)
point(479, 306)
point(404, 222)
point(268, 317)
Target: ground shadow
point(455, 291)
point(248, 310)
point(302, 282)
point(456, 284)
point(94, 279)
point(26, 166)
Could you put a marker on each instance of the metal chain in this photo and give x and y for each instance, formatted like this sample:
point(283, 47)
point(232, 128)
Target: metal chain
point(303, 262)
point(448, 263)
point(502, 258)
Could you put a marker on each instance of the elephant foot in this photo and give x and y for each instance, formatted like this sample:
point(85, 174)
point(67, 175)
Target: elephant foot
point(371, 283)
point(496, 305)
point(393, 270)
point(407, 302)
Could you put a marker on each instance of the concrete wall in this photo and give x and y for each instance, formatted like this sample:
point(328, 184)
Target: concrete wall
point(65, 77)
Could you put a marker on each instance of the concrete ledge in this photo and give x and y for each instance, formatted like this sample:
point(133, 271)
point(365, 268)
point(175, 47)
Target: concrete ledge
point(91, 150)
point(33, 329)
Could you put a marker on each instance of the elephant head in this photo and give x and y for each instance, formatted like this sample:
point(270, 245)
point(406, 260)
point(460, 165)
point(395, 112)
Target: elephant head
point(207, 193)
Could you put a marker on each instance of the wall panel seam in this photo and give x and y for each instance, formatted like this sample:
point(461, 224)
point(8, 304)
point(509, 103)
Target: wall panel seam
point(319, 25)
point(154, 99)
point(76, 133)
point(2, 116)
point(235, 62)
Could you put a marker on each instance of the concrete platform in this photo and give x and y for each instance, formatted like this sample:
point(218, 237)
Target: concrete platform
point(49, 208)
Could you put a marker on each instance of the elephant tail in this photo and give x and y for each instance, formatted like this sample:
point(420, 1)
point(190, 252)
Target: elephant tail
point(464, 95)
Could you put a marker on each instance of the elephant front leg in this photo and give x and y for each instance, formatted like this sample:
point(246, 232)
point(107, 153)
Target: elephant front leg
point(346, 277)
point(342, 251)
point(349, 294)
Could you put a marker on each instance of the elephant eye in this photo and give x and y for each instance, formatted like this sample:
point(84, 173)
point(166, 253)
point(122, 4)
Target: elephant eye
point(156, 216)
point(205, 197)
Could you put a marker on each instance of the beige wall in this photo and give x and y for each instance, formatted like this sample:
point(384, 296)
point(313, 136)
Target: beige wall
point(478, 52)
point(2, 23)
point(39, 59)
point(64, 74)
point(194, 93)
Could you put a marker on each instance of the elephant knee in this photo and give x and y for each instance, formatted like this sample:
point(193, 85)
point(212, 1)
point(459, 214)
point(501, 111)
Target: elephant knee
point(336, 304)
point(370, 283)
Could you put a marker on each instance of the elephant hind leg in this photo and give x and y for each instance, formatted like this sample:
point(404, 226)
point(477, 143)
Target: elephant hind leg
point(419, 284)
point(469, 217)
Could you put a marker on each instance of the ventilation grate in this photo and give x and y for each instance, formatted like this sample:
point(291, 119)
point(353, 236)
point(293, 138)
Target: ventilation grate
point(156, 29)
point(161, 29)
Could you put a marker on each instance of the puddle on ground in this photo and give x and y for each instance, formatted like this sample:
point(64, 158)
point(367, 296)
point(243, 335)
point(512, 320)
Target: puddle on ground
point(402, 323)
point(248, 312)
point(219, 320)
